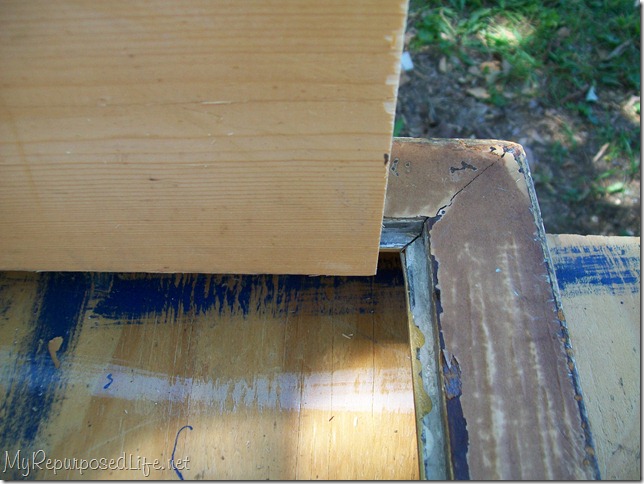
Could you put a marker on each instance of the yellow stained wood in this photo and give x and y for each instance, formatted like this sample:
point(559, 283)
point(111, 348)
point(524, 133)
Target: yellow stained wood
point(200, 136)
point(280, 377)
point(600, 291)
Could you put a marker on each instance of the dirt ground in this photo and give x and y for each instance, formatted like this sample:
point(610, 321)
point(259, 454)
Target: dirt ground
point(439, 99)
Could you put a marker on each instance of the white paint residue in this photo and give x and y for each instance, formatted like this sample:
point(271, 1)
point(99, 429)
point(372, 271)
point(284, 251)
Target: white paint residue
point(352, 390)
point(342, 389)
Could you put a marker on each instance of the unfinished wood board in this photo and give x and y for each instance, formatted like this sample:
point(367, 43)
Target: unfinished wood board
point(242, 377)
point(200, 136)
point(510, 388)
point(599, 280)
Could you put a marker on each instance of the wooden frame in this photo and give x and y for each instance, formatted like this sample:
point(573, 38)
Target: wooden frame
point(496, 390)
point(488, 336)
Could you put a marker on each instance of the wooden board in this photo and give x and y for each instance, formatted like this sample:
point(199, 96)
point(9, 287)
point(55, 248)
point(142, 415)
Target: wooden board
point(599, 280)
point(200, 136)
point(241, 377)
point(511, 395)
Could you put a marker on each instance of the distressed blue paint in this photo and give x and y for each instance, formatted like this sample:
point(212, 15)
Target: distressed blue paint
point(456, 421)
point(126, 299)
point(452, 379)
point(62, 298)
point(614, 273)
point(130, 299)
point(32, 386)
point(458, 438)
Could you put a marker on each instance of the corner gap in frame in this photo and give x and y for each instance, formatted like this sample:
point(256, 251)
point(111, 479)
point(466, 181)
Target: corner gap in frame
point(398, 233)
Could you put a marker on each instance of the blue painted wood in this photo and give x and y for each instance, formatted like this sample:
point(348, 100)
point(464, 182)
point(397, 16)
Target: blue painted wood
point(614, 269)
point(194, 365)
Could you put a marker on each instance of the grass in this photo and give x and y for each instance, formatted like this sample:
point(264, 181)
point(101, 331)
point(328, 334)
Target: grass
point(574, 44)
point(555, 52)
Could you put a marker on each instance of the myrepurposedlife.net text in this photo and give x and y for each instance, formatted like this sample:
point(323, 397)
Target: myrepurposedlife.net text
point(28, 463)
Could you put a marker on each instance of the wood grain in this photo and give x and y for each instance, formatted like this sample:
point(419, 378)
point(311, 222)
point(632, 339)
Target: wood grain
point(205, 136)
point(278, 377)
point(510, 386)
point(599, 281)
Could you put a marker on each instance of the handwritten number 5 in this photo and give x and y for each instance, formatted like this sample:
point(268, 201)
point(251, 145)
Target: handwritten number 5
point(109, 377)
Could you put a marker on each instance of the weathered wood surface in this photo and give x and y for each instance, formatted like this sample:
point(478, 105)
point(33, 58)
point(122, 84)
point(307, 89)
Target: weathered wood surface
point(280, 377)
point(599, 281)
point(512, 398)
point(431, 428)
point(200, 136)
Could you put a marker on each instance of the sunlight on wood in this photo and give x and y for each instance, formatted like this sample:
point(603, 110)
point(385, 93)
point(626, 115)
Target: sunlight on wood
point(216, 377)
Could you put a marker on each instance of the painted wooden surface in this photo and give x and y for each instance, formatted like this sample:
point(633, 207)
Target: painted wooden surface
point(250, 377)
point(200, 136)
point(511, 392)
point(236, 357)
point(431, 416)
point(599, 280)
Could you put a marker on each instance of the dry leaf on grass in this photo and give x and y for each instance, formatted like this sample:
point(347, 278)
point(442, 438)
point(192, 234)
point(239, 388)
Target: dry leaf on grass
point(442, 65)
point(478, 93)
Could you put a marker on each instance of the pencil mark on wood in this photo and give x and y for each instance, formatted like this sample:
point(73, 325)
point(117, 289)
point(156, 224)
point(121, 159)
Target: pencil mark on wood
point(464, 166)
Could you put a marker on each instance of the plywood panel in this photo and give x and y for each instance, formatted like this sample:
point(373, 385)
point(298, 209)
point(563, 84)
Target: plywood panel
point(242, 377)
point(599, 280)
point(201, 136)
